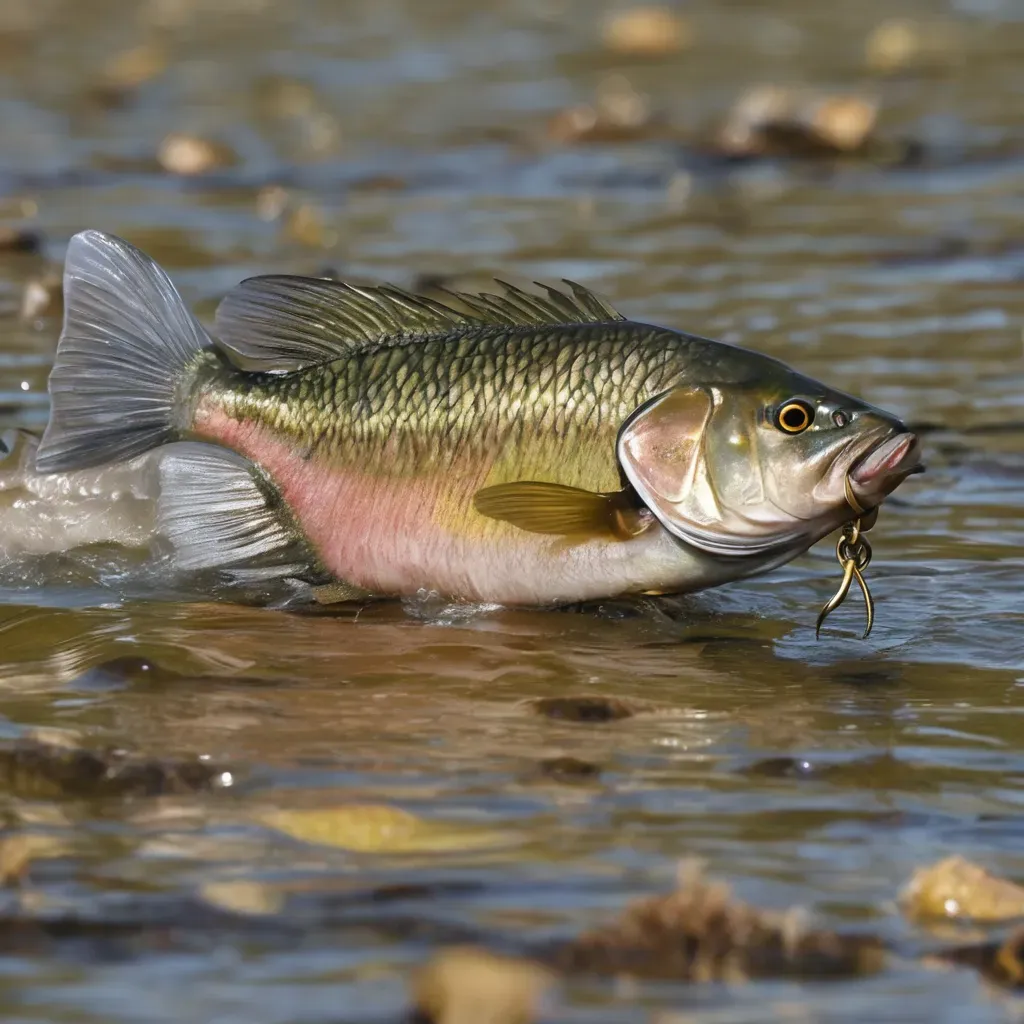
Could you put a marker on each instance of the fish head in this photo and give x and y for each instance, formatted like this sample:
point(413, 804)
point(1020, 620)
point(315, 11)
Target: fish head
point(762, 460)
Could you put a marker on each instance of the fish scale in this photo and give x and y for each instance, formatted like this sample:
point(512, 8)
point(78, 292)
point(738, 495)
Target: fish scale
point(485, 384)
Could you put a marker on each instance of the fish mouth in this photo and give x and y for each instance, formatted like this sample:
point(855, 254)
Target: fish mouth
point(882, 469)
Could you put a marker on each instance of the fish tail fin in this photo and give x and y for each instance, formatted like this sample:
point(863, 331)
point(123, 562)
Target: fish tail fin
point(123, 357)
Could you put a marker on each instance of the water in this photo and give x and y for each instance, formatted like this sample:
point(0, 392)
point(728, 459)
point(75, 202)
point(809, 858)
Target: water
point(818, 774)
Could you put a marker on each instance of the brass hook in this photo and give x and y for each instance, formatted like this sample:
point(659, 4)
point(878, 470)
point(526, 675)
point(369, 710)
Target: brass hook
point(854, 555)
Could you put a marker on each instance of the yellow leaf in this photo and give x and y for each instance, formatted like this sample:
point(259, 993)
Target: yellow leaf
point(375, 828)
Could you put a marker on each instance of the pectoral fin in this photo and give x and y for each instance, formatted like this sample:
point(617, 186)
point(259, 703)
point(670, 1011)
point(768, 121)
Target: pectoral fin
point(562, 511)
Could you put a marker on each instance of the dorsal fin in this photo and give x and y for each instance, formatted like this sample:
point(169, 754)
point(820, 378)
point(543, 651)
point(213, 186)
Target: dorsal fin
point(282, 323)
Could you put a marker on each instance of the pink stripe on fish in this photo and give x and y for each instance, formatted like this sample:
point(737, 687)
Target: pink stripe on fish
point(387, 536)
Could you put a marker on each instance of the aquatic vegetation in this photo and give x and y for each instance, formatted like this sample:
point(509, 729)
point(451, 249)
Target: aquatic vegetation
point(701, 933)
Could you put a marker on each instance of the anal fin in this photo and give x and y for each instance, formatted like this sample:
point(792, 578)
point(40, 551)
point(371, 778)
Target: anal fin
point(220, 513)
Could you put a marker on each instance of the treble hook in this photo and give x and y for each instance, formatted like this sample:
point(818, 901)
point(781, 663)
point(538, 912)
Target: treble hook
point(854, 555)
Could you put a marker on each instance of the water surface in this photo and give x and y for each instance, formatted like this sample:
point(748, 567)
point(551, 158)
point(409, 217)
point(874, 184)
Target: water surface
point(413, 139)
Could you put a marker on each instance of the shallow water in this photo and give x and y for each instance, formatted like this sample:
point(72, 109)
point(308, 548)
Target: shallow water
point(806, 773)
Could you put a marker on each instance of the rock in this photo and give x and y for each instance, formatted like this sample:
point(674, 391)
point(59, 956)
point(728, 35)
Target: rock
point(464, 985)
point(38, 771)
point(188, 155)
point(957, 888)
point(775, 120)
point(586, 707)
point(842, 122)
point(647, 31)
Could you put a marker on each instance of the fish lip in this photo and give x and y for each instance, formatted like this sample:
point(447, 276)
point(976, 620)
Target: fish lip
point(886, 463)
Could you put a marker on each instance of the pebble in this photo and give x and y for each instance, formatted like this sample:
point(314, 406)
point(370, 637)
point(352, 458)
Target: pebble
point(474, 986)
point(773, 119)
point(188, 155)
point(587, 707)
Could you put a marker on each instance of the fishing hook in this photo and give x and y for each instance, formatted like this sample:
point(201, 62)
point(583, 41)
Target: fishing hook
point(854, 555)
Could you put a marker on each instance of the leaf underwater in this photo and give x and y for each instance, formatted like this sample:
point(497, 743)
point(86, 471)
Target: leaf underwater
point(378, 828)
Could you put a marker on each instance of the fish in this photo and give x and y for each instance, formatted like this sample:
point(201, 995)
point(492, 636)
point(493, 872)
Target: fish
point(505, 448)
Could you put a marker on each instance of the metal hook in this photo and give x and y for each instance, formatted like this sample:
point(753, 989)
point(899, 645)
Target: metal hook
point(854, 555)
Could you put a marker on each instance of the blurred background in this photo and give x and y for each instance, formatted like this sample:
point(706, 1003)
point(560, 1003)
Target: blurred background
point(787, 173)
point(838, 184)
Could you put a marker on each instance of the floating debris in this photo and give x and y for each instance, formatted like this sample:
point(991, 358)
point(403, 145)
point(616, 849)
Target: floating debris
point(587, 707)
point(189, 155)
point(465, 985)
point(957, 888)
point(618, 113)
point(701, 933)
point(376, 828)
point(36, 770)
point(42, 297)
point(771, 120)
point(648, 31)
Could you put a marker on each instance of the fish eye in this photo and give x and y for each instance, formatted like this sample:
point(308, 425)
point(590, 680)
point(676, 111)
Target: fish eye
point(794, 417)
point(840, 418)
